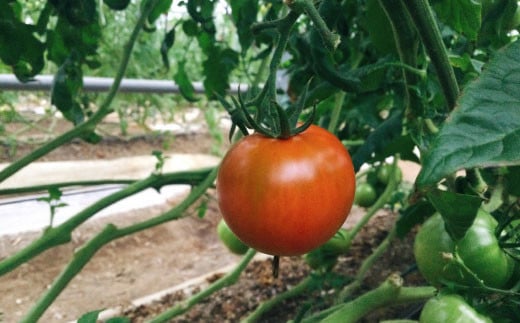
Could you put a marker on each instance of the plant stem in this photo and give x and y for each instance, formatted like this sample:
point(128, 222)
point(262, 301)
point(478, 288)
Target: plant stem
point(424, 20)
point(61, 234)
point(380, 203)
point(227, 280)
point(367, 264)
point(109, 233)
point(89, 125)
point(390, 292)
point(46, 187)
point(338, 104)
point(406, 42)
point(302, 287)
point(330, 39)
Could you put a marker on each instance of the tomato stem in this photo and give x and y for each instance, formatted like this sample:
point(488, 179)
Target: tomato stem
point(227, 280)
point(276, 266)
point(421, 13)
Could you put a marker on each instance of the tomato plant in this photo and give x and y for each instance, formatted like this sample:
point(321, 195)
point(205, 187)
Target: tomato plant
point(429, 82)
point(450, 308)
point(481, 258)
point(286, 196)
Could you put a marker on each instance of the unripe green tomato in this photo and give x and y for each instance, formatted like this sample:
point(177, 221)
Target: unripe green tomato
point(365, 195)
point(478, 249)
point(450, 308)
point(383, 174)
point(229, 239)
point(326, 255)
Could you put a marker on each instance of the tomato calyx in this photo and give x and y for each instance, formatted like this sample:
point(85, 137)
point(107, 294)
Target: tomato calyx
point(270, 120)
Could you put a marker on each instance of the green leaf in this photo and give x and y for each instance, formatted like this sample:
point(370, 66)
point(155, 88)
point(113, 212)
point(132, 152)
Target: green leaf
point(66, 85)
point(513, 180)
point(463, 16)
point(118, 320)
point(78, 13)
point(457, 210)
point(412, 216)
point(190, 28)
point(379, 29)
point(19, 47)
point(217, 67)
point(378, 140)
point(160, 8)
point(90, 317)
point(117, 4)
point(183, 80)
point(167, 43)
point(484, 129)
point(244, 14)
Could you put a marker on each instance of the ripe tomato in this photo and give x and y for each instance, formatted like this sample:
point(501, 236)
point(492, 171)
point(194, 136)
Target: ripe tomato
point(286, 196)
point(478, 249)
point(450, 308)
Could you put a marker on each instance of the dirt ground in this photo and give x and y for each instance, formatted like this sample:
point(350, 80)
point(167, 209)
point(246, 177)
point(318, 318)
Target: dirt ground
point(164, 256)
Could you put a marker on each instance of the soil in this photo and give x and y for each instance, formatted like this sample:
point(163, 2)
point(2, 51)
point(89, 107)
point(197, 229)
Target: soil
point(169, 254)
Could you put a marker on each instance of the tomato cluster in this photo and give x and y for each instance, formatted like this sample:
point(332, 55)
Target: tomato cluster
point(286, 196)
point(376, 180)
point(479, 251)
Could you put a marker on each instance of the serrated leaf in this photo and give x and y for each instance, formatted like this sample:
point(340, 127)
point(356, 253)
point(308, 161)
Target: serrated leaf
point(457, 219)
point(183, 80)
point(484, 129)
point(463, 16)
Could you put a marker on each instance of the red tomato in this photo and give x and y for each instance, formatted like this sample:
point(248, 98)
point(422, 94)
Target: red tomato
point(286, 196)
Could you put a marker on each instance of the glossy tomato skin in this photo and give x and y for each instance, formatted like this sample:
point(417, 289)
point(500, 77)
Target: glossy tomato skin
point(450, 308)
point(479, 249)
point(286, 196)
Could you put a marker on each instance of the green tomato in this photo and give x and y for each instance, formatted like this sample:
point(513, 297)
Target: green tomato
point(478, 249)
point(383, 174)
point(450, 308)
point(365, 195)
point(327, 254)
point(229, 239)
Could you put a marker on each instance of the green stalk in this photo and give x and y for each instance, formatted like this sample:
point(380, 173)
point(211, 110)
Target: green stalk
point(390, 292)
point(338, 104)
point(46, 187)
point(302, 287)
point(89, 125)
point(110, 233)
point(380, 203)
point(330, 39)
point(367, 264)
point(62, 233)
point(424, 20)
point(406, 42)
point(227, 280)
